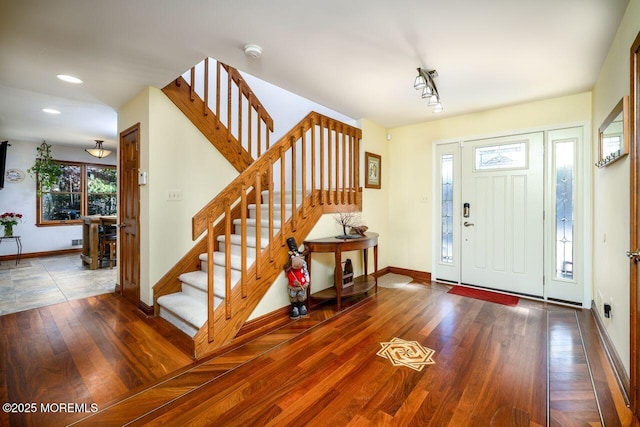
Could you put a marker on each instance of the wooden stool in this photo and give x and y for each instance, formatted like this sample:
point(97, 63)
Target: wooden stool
point(108, 251)
point(107, 243)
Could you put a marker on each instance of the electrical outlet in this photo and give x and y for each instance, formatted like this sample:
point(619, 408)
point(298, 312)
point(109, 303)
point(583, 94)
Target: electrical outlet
point(174, 195)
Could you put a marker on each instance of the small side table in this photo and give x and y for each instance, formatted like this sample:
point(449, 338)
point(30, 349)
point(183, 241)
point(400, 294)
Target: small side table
point(18, 244)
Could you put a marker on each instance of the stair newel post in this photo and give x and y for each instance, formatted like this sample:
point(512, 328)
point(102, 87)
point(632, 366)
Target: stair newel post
point(258, 185)
point(270, 181)
point(227, 257)
point(243, 240)
point(304, 171)
point(205, 108)
point(210, 278)
point(322, 188)
point(282, 199)
point(313, 162)
point(294, 161)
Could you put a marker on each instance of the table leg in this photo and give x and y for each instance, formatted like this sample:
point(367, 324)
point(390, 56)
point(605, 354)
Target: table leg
point(338, 279)
point(375, 265)
point(19, 244)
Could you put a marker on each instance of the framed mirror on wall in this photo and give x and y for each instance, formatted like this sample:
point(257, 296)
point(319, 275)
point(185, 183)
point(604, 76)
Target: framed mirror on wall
point(613, 134)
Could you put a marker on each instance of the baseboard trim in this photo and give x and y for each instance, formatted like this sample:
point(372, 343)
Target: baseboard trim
point(616, 361)
point(41, 254)
point(265, 323)
point(146, 309)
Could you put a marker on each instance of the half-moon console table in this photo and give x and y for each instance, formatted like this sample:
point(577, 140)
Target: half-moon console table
point(362, 284)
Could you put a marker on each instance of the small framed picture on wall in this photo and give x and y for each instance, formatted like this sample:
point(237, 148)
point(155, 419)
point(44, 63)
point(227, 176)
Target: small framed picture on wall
point(373, 164)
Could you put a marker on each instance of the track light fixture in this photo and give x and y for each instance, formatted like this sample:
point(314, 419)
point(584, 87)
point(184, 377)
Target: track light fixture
point(98, 151)
point(424, 82)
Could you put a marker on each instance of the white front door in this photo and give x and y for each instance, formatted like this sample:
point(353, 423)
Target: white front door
point(502, 213)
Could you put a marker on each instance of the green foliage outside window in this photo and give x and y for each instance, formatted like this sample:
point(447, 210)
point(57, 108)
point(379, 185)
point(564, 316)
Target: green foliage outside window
point(81, 190)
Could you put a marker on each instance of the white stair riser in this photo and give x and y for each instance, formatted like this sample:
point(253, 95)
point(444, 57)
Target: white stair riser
point(264, 212)
point(264, 231)
point(193, 291)
point(178, 322)
point(237, 250)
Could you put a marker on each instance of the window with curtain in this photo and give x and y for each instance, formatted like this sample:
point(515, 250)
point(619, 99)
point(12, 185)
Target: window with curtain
point(83, 189)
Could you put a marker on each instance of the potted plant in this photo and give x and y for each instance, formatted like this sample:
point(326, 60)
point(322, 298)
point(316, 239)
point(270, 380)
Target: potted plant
point(8, 220)
point(45, 170)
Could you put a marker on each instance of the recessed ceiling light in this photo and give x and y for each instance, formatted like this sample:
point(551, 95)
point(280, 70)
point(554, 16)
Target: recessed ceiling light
point(69, 79)
point(50, 111)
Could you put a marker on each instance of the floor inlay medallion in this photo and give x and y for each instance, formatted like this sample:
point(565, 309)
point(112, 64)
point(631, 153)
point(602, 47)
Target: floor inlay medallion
point(406, 353)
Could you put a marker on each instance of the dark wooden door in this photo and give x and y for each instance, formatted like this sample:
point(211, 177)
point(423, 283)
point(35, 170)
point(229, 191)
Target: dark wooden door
point(129, 209)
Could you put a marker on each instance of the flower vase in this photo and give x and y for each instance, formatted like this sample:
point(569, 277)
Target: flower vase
point(8, 230)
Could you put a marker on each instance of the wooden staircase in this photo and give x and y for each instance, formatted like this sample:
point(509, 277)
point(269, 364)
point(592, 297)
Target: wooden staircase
point(236, 123)
point(241, 234)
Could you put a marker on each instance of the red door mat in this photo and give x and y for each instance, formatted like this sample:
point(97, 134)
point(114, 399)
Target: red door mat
point(485, 295)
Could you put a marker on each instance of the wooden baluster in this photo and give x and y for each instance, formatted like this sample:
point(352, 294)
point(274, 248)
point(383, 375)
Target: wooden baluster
point(267, 137)
point(294, 209)
point(344, 166)
point(282, 199)
point(322, 186)
point(313, 163)
point(260, 138)
point(356, 171)
point(229, 96)
point(218, 69)
point(243, 240)
point(337, 165)
point(257, 186)
point(227, 257)
point(270, 181)
point(240, 114)
point(330, 163)
point(205, 108)
point(210, 298)
point(304, 172)
point(192, 91)
point(250, 129)
point(351, 167)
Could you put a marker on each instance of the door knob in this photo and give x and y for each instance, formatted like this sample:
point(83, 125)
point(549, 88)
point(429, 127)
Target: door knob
point(121, 225)
point(468, 224)
point(634, 255)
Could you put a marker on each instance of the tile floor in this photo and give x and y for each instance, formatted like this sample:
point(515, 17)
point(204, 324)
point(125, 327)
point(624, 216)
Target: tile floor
point(38, 282)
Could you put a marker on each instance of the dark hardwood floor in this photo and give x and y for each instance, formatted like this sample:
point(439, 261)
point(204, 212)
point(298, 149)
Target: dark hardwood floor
point(532, 365)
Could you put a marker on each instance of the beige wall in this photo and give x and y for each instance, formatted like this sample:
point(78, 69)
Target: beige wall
point(611, 193)
point(176, 157)
point(410, 151)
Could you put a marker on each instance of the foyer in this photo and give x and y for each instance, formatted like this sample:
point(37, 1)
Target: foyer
point(534, 364)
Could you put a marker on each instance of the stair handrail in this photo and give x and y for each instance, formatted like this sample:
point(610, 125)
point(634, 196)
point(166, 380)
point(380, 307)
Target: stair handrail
point(332, 144)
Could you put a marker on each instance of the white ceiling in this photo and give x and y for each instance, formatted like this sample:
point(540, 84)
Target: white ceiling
point(358, 57)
